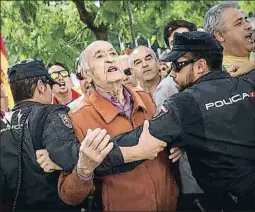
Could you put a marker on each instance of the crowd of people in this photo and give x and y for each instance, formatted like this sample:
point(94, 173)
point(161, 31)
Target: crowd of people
point(175, 133)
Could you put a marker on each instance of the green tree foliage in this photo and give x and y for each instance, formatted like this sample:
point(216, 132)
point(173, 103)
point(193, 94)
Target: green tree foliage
point(60, 30)
point(43, 30)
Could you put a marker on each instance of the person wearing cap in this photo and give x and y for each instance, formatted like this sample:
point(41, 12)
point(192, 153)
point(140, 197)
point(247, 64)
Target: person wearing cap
point(31, 126)
point(213, 118)
point(166, 88)
point(63, 92)
point(167, 84)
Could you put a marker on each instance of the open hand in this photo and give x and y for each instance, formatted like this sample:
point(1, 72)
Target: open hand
point(94, 148)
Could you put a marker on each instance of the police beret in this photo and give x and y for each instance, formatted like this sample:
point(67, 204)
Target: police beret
point(27, 69)
point(193, 41)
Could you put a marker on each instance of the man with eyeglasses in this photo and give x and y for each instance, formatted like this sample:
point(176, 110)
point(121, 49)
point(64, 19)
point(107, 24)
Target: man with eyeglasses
point(63, 92)
point(189, 189)
point(34, 123)
point(213, 118)
point(128, 79)
point(166, 87)
point(164, 69)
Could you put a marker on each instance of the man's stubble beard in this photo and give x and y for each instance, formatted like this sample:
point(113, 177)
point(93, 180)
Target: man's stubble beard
point(188, 81)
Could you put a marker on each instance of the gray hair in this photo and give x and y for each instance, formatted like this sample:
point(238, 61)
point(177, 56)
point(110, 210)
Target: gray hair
point(83, 60)
point(212, 19)
point(154, 56)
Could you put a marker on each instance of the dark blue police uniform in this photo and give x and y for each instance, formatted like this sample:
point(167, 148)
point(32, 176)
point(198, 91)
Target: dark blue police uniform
point(214, 120)
point(28, 127)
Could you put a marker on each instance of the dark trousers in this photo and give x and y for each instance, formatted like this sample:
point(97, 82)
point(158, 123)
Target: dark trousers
point(215, 202)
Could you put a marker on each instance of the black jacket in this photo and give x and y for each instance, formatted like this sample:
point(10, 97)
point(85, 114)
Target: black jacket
point(214, 120)
point(47, 127)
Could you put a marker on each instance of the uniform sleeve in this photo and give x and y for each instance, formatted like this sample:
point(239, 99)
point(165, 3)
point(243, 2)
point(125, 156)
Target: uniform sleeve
point(60, 141)
point(73, 190)
point(251, 76)
point(166, 126)
point(2, 185)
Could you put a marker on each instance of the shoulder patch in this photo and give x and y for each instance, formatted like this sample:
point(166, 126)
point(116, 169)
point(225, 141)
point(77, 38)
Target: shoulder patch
point(163, 110)
point(66, 120)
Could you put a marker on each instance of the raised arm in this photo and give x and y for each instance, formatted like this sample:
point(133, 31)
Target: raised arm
point(244, 69)
point(74, 188)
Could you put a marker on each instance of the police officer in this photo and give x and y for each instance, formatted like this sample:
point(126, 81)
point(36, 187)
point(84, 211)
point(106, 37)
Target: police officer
point(34, 124)
point(213, 118)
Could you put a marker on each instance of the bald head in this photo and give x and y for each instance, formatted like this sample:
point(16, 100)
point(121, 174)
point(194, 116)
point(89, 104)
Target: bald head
point(144, 64)
point(100, 62)
point(90, 52)
point(141, 50)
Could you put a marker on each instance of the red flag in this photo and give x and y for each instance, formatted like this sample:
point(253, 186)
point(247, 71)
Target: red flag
point(3, 74)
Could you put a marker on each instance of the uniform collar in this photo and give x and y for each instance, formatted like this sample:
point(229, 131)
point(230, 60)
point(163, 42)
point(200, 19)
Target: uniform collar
point(107, 110)
point(212, 75)
point(25, 104)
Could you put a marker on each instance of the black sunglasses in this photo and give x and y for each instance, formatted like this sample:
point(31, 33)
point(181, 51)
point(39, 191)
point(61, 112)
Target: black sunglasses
point(79, 76)
point(177, 66)
point(127, 71)
point(48, 82)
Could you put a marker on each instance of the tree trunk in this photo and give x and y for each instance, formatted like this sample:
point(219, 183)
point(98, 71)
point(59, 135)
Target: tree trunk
point(101, 32)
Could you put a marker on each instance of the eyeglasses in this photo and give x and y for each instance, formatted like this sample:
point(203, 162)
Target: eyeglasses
point(127, 71)
point(163, 69)
point(55, 75)
point(177, 66)
point(48, 82)
point(79, 76)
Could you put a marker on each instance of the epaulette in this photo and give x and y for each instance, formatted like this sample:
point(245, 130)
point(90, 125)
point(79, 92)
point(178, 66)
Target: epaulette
point(53, 107)
point(79, 107)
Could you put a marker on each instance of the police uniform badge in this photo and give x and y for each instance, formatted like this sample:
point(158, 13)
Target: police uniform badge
point(163, 110)
point(66, 120)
